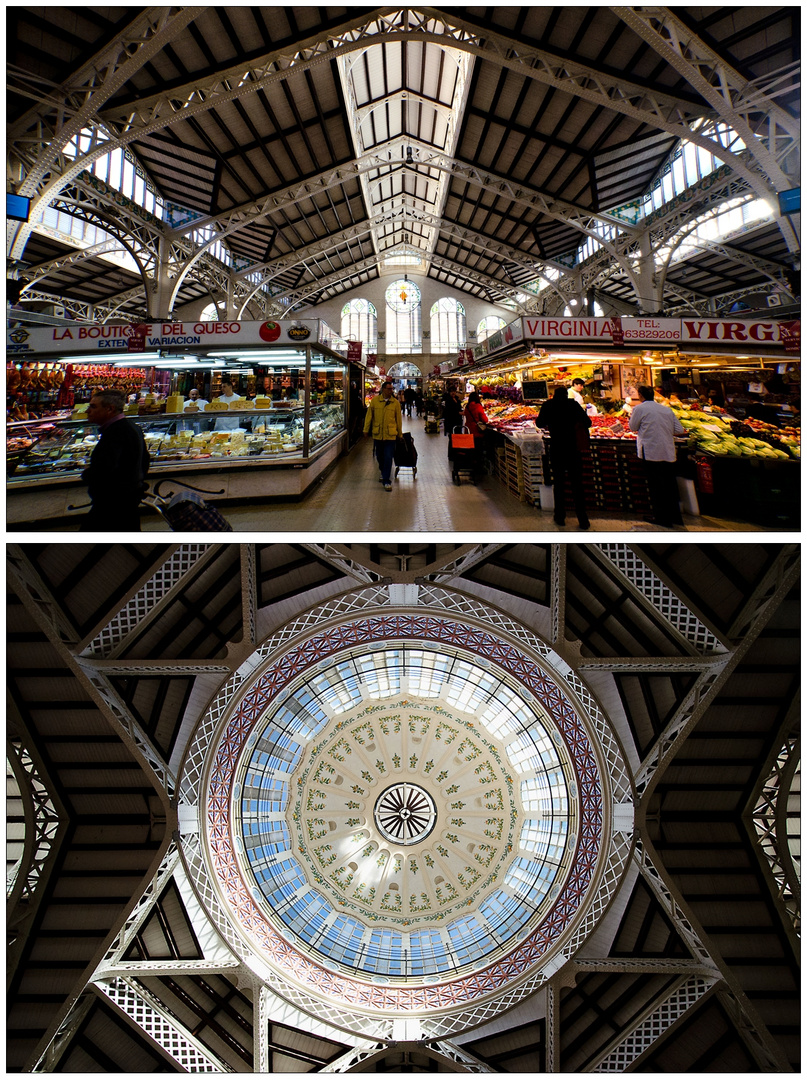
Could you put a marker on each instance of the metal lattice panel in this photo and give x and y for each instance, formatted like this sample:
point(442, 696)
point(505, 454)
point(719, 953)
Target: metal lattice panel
point(125, 721)
point(661, 597)
point(44, 823)
point(777, 825)
point(146, 599)
point(142, 908)
point(653, 1027)
point(145, 1011)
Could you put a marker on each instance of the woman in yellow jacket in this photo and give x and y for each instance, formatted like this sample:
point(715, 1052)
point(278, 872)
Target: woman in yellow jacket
point(384, 420)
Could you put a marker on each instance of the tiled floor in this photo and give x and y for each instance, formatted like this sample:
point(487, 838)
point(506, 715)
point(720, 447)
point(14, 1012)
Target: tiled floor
point(350, 499)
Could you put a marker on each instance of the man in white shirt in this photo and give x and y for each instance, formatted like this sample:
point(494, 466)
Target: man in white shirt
point(194, 399)
point(576, 392)
point(655, 426)
point(228, 394)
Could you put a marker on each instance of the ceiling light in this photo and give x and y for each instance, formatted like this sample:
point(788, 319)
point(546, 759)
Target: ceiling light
point(133, 358)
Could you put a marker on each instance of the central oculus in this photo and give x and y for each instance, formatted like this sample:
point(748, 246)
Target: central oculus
point(405, 814)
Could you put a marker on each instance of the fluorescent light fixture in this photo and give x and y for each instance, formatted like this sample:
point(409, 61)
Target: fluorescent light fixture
point(250, 356)
point(132, 359)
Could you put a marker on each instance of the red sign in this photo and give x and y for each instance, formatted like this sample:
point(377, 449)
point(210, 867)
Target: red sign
point(354, 350)
point(617, 333)
point(790, 333)
point(136, 341)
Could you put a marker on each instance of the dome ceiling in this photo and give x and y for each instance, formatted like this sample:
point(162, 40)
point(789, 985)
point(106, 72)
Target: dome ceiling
point(408, 801)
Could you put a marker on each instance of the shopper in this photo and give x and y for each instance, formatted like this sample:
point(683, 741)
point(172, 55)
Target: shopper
point(655, 426)
point(452, 411)
point(567, 424)
point(409, 399)
point(476, 421)
point(119, 464)
point(384, 420)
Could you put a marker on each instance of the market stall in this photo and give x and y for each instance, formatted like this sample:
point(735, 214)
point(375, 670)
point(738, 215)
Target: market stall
point(740, 464)
point(283, 424)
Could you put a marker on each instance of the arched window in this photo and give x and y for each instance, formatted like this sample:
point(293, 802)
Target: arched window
point(489, 325)
point(360, 323)
point(404, 370)
point(448, 325)
point(210, 314)
point(403, 317)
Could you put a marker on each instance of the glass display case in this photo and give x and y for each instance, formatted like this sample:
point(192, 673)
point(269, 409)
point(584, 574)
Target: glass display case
point(47, 449)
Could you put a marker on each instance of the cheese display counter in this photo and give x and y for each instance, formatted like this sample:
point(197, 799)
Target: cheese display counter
point(239, 453)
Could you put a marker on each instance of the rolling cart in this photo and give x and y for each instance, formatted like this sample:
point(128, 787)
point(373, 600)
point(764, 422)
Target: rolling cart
point(431, 410)
point(406, 455)
point(186, 510)
point(462, 455)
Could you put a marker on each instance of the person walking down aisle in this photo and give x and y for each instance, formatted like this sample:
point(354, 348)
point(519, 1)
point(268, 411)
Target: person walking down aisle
point(452, 411)
point(655, 426)
point(383, 419)
point(119, 464)
point(568, 426)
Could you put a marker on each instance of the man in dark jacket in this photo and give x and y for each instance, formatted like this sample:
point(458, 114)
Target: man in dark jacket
point(568, 426)
point(118, 467)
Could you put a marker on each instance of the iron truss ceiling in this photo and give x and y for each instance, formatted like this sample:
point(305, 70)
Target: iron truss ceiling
point(486, 144)
point(114, 654)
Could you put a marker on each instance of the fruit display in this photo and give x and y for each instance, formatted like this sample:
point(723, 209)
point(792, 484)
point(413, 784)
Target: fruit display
point(610, 427)
point(718, 434)
point(509, 416)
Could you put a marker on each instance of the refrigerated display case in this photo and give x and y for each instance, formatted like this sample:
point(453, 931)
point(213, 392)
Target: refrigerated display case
point(243, 453)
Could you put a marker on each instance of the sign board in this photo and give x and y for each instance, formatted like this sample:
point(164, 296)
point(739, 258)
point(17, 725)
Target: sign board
point(204, 337)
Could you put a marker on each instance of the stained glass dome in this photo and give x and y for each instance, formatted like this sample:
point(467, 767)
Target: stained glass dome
point(412, 803)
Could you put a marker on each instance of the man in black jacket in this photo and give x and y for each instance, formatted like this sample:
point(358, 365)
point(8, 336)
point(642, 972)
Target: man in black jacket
point(119, 463)
point(568, 426)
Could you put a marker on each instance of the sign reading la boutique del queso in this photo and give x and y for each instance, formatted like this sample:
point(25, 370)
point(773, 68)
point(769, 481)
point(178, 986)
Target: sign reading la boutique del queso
point(105, 339)
point(727, 333)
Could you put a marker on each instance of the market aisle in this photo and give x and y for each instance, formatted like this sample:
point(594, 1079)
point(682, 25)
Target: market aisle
point(350, 498)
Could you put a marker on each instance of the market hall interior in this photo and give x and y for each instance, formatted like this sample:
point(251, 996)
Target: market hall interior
point(331, 198)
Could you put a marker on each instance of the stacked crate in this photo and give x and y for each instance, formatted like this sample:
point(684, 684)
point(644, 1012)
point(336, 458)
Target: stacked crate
point(513, 473)
point(532, 469)
point(613, 478)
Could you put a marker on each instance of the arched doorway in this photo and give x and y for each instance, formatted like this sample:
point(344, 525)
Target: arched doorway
point(404, 371)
